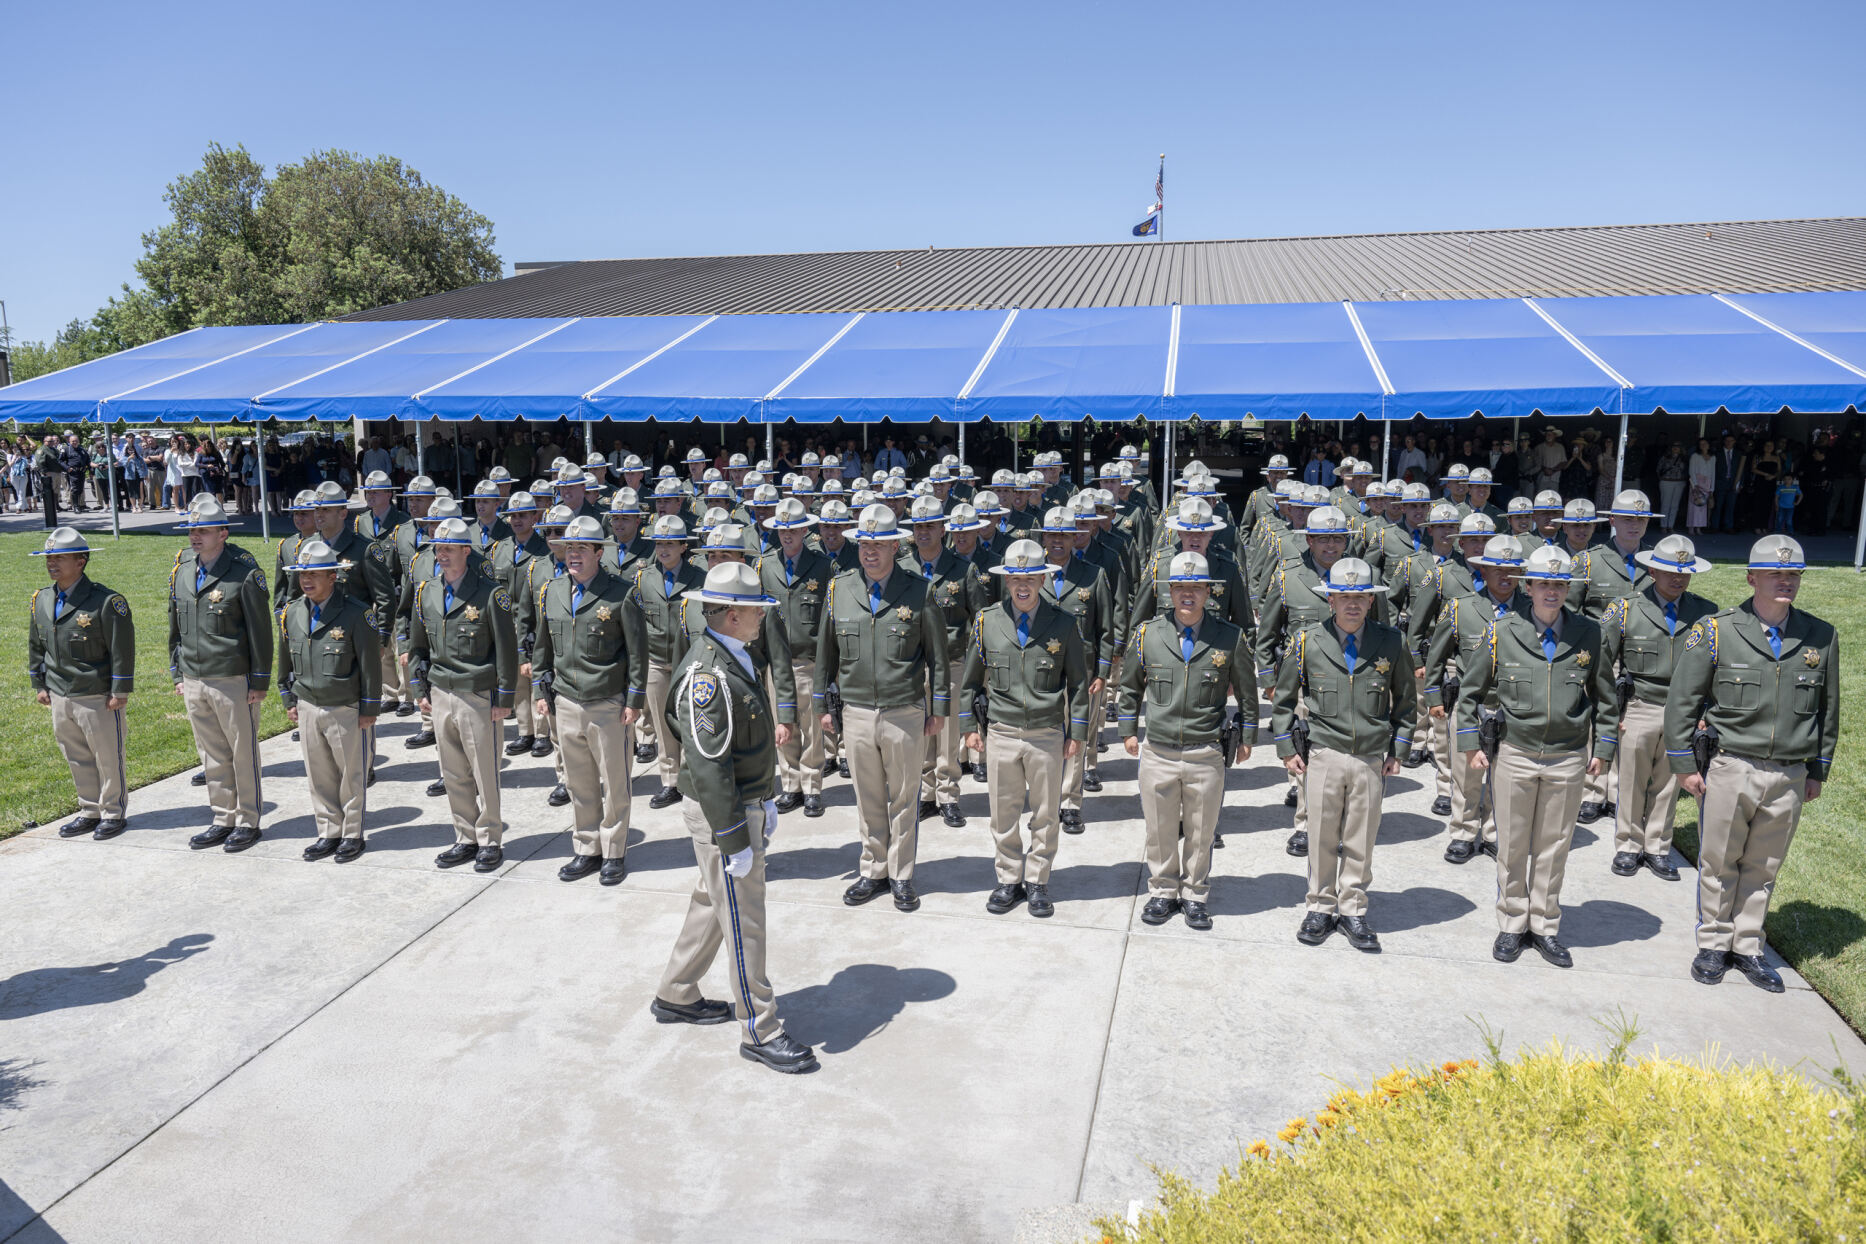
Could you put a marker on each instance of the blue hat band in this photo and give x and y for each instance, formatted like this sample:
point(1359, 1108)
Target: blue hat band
point(1680, 565)
point(1778, 565)
point(1188, 578)
point(451, 540)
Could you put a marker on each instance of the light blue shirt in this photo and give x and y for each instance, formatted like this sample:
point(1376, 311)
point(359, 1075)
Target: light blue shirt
point(738, 651)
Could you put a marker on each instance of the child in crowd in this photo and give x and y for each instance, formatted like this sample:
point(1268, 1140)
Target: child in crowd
point(1787, 497)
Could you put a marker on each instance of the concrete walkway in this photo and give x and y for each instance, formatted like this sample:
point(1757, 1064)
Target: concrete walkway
point(250, 1046)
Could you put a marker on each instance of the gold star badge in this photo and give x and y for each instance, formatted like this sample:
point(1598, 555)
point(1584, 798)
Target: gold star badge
point(1812, 656)
point(810, 586)
point(1082, 594)
point(336, 632)
point(216, 596)
point(83, 619)
point(604, 613)
point(472, 613)
point(904, 613)
point(1382, 666)
point(1218, 660)
point(1583, 659)
point(1218, 589)
point(1054, 646)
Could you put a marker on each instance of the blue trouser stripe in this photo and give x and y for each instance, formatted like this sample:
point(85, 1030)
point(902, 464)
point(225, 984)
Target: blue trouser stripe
point(738, 957)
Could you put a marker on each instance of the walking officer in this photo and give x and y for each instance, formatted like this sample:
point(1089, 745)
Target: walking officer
point(1554, 692)
point(1765, 678)
point(1355, 675)
point(220, 658)
point(1184, 665)
point(330, 679)
point(797, 577)
point(81, 656)
point(1028, 657)
point(729, 762)
point(884, 646)
point(463, 669)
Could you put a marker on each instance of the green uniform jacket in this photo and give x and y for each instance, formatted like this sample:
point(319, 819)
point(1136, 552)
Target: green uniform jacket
point(368, 526)
point(1634, 637)
point(771, 648)
point(1088, 596)
point(485, 539)
point(283, 586)
point(223, 628)
point(1370, 712)
point(1462, 631)
point(89, 649)
point(1437, 584)
point(1042, 684)
point(660, 612)
point(470, 649)
point(509, 562)
point(598, 651)
point(1229, 600)
point(887, 659)
point(622, 560)
point(1786, 710)
point(533, 574)
point(1548, 706)
point(1291, 604)
point(800, 601)
point(957, 589)
point(1185, 700)
point(1603, 578)
point(337, 665)
point(424, 569)
point(728, 755)
point(366, 575)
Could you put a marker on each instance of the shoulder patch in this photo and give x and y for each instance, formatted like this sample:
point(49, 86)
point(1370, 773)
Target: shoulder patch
point(705, 689)
point(119, 606)
point(1696, 636)
point(501, 599)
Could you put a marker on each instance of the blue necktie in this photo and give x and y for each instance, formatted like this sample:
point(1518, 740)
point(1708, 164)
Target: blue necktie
point(200, 577)
point(485, 534)
point(667, 584)
point(1059, 585)
point(1502, 606)
point(378, 522)
point(790, 570)
point(1632, 569)
point(1671, 617)
point(874, 598)
point(447, 598)
point(1185, 644)
point(1352, 650)
point(1418, 538)
point(1775, 641)
point(557, 571)
point(417, 538)
point(316, 612)
point(928, 568)
point(1548, 644)
point(58, 605)
point(1023, 629)
point(576, 597)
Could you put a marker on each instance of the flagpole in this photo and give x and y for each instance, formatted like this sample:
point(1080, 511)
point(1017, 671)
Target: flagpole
point(1160, 232)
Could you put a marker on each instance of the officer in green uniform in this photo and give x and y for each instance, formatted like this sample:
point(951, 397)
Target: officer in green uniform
point(590, 673)
point(509, 563)
point(403, 542)
point(423, 566)
point(534, 574)
point(953, 583)
point(81, 656)
point(1549, 512)
point(303, 510)
point(1184, 665)
point(1262, 502)
point(380, 516)
point(1193, 526)
point(627, 545)
point(729, 762)
point(1606, 571)
point(660, 585)
point(1554, 689)
point(1644, 635)
point(220, 659)
point(572, 488)
point(487, 527)
point(1083, 590)
point(463, 668)
point(330, 679)
point(1412, 579)
point(1521, 514)
point(365, 574)
point(1432, 581)
point(884, 646)
point(964, 527)
point(797, 577)
point(1355, 677)
point(1765, 676)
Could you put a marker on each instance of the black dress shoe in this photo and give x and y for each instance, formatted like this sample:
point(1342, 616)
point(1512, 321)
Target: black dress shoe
point(1709, 966)
point(371, 779)
point(1441, 806)
point(965, 766)
point(865, 889)
point(349, 848)
point(1489, 847)
point(645, 754)
point(1072, 821)
point(109, 828)
point(949, 812)
point(1316, 926)
point(842, 768)
point(319, 848)
point(812, 806)
point(1659, 866)
point(1458, 852)
point(1004, 898)
point(81, 826)
point(1298, 843)
point(666, 797)
point(904, 897)
point(419, 739)
point(437, 788)
point(1416, 757)
point(294, 736)
point(541, 748)
point(456, 855)
point(1549, 947)
point(579, 866)
point(1610, 809)
point(199, 779)
point(1590, 812)
point(1159, 910)
point(212, 836)
point(781, 1053)
point(520, 745)
point(488, 858)
point(1625, 864)
point(1091, 780)
point(980, 774)
point(789, 801)
point(613, 871)
point(407, 708)
point(703, 1012)
point(1289, 797)
point(1760, 974)
point(1359, 933)
point(558, 796)
point(1508, 947)
point(1196, 915)
point(829, 768)
point(1218, 839)
point(928, 808)
point(1037, 900)
point(240, 839)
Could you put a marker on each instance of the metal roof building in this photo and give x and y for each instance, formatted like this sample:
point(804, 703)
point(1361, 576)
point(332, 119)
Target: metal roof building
point(1729, 257)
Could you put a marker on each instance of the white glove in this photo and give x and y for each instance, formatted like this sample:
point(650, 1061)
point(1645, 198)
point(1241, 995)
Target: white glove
point(770, 820)
point(739, 864)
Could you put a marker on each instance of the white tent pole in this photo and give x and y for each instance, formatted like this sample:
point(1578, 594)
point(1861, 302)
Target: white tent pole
point(1619, 465)
point(265, 520)
point(962, 444)
point(1166, 467)
point(770, 441)
point(110, 469)
point(589, 437)
point(1859, 544)
point(1386, 442)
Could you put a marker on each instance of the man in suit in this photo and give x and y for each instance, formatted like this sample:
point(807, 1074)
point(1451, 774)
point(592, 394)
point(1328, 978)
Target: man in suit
point(1729, 479)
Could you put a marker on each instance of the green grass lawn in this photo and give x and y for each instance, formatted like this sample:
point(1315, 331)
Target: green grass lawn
point(35, 785)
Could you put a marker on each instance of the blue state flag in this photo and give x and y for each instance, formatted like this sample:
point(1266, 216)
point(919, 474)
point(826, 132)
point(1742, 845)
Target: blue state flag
point(1148, 227)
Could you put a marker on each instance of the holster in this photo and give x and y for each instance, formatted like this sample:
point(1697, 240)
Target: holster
point(547, 687)
point(981, 711)
point(832, 701)
point(1623, 689)
point(1231, 735)
point(1704, 747)
point(1299, 736)
point(1448, 692)
point(1489, 731)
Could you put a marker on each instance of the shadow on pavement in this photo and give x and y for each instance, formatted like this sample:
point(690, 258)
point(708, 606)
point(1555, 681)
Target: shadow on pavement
point(1817, 931)
point(39, 990)
point(1607, 922)
point(1416, 908)
point(1247, 896)
point(857, 1003)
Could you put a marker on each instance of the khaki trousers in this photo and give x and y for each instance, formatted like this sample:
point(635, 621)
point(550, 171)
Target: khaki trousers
point(596, 755)
point(939, 773)
point(1026, 769)
point(1595, 786)
point(1344, 795)
point(336, 768)
point(1473, 817)
point(1301, 787)
point(394, 681)
point(660, 686)
point(722, 908)
point(885, 747)
point(522, 714)
point(1442, 752)
point(226, 733)
point(1750, 811)
point(800, 761)
point(1648, 795)
point(1536, 795)
point(91, 738)
point(1181, 793)
point(467, 739)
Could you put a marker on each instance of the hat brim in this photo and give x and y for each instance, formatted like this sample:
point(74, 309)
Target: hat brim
point(1330, 531)
point(1193, 579)
point(301, 569)
point(1328, 589)
point(878, 537)
point(777, 524)
point(1494, 565)
point(1629, 513)
point(190, 526)
point(58, 552)
point(1033, 571)
point(1697, 565)
point(1796, 566)
point(733, 598)
point(1546, 576)
point(1176, 525)
point(975, 525)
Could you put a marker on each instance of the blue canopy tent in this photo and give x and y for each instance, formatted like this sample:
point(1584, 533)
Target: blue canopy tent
point(1500, 357)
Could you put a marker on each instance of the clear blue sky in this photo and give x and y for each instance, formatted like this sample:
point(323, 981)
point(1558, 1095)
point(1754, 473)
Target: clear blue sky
point(604, 130)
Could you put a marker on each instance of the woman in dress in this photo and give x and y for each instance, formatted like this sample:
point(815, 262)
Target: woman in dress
point(1702, 476)
point(1764, 470)
point(1673, 472)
